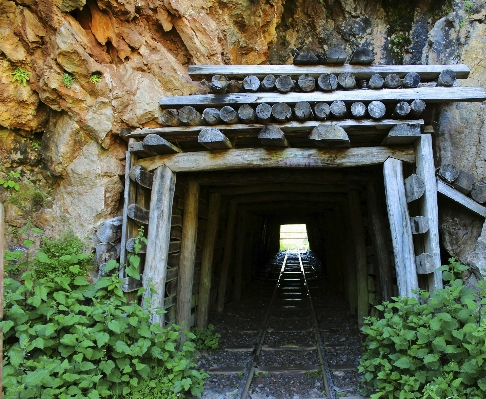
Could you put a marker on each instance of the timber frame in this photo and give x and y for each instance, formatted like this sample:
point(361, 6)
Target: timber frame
point(401, 146)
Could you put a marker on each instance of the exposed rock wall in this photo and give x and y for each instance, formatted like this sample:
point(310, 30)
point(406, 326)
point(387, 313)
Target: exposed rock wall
point(64, 138)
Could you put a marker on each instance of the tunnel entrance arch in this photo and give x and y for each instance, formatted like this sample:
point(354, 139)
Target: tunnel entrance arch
point(157, 157)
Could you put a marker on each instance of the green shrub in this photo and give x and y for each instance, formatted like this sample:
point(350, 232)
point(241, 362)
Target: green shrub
point(96, 77)
point(205, 338)
point(67, 338)
point(67, 79)
point(432, 348)
point(21, 76)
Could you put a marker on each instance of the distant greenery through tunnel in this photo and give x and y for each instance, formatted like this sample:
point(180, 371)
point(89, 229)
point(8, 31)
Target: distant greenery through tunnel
point(293, 236)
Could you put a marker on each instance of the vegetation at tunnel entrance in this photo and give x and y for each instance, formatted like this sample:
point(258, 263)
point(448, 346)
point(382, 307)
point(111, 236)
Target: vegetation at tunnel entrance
point(432, 347)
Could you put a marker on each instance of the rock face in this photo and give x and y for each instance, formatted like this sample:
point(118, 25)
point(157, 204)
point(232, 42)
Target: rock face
point(95, 67)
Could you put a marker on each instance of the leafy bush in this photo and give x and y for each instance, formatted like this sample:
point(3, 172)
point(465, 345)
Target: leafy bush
point(433, 348)
point(206, 338)
point(21, 76)
point(67, 79)
point(96, 77)
point(67, 338)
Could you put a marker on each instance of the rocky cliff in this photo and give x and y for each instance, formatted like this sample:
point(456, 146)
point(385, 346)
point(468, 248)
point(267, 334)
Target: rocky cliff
point(74, 73)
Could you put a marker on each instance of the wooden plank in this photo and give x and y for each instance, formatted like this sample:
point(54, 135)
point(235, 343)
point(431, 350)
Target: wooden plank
point(158, 145)
point(154, 274)
point(426, 72)
point(207, 260)
point(173, 273)
point(227, 370)
point(256, 158)
point(401, 232)
point(427, 94)
point(141, 176)
point(301, 369)
point(239, 254)
point(188, 254)
point(137, 148)
point(138, 213)
point(128, 198)
point(460, 198)
point(282, 187)
point(358, 233)
point(172, 133)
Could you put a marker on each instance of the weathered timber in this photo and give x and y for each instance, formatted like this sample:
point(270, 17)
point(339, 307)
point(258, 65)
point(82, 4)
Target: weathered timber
point(281, 112)
point(346, 81)
point(129, 197)
point(130, 246)
point(393, 81)
point(338, 109)
point(272, 136)
point(411, 80)
point(425, 263)
point(158, 145)
point(329, 136)
point(137, 148)
point(327, 82)
point(176, 220)
point(402, 109)
point(188, 254)
point(173, 271)
point(306, 83)
point(417, 107)
point(211, 116)
point(189, 116)
point(448, 173)
point(170, 117)
point(213, 139)
point(254, 158)
point(426, 72)
point(141, 176)
point(268, 82)
point(362, 56)
point(322, 111)
point(425, 168)
point(419, 224)
point(138, 213)
point(176, 233)
point(154, 274)
point(414, 187)
point(399, 219)
point(227, 256)
point(284, 187)
point(263, 112)
point(427, 94)
point(207, 260)
point(110, 230)
point(251, 83)
point(303, 111)
point(239, 253)
point(358, 109)
point(357, 231)
point(460, 198)
point(228, 114)
point(380, 242)
point(402, 134)
point(246, 114)
point(376, 109)
point(478, 192)
point(234, 86)
point(174, 246)
point(446, 78)
point(306, 58)
point(334, 55)
point(376, 82)
point(464, 182)
point(284, 84)
point(219, 84)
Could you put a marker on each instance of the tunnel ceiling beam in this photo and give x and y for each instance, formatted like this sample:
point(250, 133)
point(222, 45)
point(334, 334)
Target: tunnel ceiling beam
point(281, 187)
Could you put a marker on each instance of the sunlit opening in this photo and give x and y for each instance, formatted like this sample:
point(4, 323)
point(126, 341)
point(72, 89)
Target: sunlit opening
point(293, 236)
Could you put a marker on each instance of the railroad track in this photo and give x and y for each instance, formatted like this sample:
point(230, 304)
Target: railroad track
point(289, 342)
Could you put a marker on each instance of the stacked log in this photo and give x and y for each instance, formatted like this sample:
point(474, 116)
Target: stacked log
point(109, 246)
point(463, 182)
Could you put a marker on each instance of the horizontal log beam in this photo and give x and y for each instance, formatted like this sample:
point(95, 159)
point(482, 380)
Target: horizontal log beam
point(249, 158)
point(460, 198)
point(281, 187)
point(426, 72)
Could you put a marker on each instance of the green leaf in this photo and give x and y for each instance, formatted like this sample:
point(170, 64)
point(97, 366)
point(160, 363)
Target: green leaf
point(84, 366)
point(101, 338)
point(34, 378)
point(42, 257)
point(403, 363)
point(115, 326)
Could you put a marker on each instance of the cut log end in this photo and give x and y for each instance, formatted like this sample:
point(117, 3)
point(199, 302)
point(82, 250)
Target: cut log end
point(306, 83)
point(211, 116)
point(376, 109)
point(303, 111)
point(414, 188)
point(402, 134)
point(272, 136)
point(358, 109)
point(189, 116)
point(393, 81)
point(284, 84)
point(448, 173)
point(228, 114)
point(263, 112)
point(281, 112)
point(327, 82)
point(329, 136)
point(155, 143)
point(251, 83)
point(322, 111)
point(213, 139)
point(347, 81)
point(170, 117)
point(338, 109)
point(306, 58)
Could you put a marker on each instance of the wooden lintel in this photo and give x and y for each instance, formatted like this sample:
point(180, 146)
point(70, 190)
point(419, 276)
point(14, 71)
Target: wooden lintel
point(426, 72)
point(281, 187)
point(254, 158)
point(427, 94)
point(460, 198)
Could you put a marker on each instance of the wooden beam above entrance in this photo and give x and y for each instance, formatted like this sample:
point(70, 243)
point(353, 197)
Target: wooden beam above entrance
point(254, 158)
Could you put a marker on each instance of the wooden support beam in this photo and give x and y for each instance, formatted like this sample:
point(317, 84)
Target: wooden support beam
point(460, 198)
point(188, 254)
point(426, 72)
point(401, 232)
point(207, 260)
point(138, 213)
point(403, 134)
point(213, 139)
point(255, 158)
point(239, 254)
point(379, 233)
point(154, 274)
point(128, 198)
point(272, 136)
point(282, 187)
point(351, 262)
point(425, 263)
point(329, 136)
point(427, 94)
point(158, 145)
point(141, 176)
point(136, 148)
point(357, 229)
point(419, 224)
point(414, 187)
point(227, 256)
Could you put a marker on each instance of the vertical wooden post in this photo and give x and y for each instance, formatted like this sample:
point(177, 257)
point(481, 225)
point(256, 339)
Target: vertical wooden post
point(158, 238)
point(400, 228)
point(227, 256)
point(378, 229)
point(240, 247)
point(424, 159)
point(350, 262)
point(188, 254)
point(207, 260)
point(2, 245)
point(129, 196)
point(357, 229)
